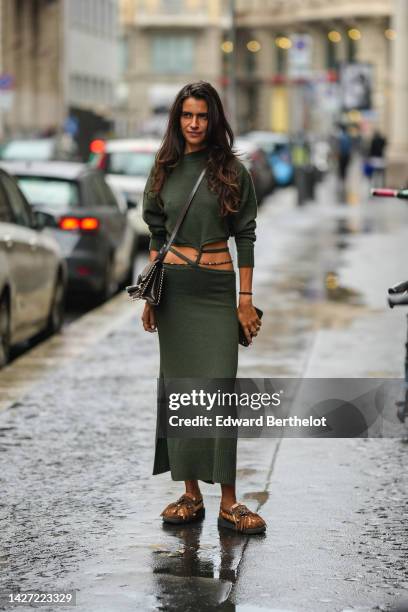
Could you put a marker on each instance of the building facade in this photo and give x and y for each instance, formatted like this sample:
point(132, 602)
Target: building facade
point(166, 44)
point(63, 58)
point(300, 76)
point(31, 53)
point(284, 59)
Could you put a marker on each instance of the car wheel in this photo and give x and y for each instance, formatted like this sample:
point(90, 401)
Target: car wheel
point(57, 312)
point(4, 332)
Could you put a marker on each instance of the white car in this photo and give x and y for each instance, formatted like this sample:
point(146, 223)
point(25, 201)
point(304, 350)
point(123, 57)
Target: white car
point(33, 273)
point(127, 163)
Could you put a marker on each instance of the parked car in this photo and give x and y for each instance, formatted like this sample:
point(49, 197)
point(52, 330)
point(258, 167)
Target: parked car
point(89, 223)
point(256, 162)
point(278, 151)
point(39, 149)
point(127, 164)
point(33, 273)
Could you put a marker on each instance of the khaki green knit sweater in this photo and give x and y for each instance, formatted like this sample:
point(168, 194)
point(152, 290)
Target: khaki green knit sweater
point(203, 223)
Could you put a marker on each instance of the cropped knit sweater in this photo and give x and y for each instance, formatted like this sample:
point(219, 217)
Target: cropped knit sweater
point(203, 222)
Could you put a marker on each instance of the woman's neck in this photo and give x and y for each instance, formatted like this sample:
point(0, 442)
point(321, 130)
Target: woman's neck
point(193, 148)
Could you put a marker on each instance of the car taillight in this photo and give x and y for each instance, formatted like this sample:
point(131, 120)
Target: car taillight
point(89, 223)
point(78, 223)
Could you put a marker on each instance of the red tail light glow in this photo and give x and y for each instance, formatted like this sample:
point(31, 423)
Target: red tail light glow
point(78, 223)
point(97, 146)
point(89, 223)
point(69, 223)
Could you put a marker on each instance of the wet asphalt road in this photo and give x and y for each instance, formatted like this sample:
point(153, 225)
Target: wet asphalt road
point(79, 509)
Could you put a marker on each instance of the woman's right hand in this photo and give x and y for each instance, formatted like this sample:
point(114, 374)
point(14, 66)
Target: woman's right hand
point(149, 318)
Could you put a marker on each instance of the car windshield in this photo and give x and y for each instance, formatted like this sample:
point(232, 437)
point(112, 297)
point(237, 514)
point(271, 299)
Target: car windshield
point(131, 163)
point(30, 150)
point(55, 193)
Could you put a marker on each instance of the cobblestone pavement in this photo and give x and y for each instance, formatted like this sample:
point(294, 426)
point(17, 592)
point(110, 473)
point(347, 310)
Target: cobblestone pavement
point(79, 509)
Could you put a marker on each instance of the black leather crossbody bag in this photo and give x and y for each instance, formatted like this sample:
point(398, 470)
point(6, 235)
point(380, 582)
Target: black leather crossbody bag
point(149, 283)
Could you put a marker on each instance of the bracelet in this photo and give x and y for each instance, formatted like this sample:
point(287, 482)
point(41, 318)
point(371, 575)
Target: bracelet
point(245, 293)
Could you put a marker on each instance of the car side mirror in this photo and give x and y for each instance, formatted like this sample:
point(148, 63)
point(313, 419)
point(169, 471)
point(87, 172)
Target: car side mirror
point(43, 219)
point(131, 203)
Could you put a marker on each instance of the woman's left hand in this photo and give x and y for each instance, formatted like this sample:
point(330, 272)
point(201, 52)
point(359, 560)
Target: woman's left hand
point(249, 320)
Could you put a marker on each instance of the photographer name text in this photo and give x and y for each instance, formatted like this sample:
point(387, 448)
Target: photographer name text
point(260, 421)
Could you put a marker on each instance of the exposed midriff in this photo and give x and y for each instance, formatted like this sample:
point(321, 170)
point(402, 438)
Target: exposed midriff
point(207, 260)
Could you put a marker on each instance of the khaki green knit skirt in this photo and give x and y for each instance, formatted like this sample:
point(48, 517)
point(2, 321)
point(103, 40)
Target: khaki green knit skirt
point(198, 335)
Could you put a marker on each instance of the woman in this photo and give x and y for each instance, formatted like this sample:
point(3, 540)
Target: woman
point(197, 318)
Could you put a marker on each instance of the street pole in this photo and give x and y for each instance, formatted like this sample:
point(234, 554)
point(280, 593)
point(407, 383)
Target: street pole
point(233, 68)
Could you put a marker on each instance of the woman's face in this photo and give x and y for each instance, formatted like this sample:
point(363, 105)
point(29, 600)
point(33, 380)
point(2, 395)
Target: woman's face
point(194, 123)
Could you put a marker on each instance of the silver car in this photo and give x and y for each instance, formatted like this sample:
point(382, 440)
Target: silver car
point(87, 220)
point(33, 274)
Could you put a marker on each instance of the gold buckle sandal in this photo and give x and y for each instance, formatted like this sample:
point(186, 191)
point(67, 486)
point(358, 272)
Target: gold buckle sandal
point(185, 510)
point(239, 518)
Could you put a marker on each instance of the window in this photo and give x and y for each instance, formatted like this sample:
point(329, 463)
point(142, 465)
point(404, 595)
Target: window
point(250, 62)
point(172, 6)
point(21, 212)
point(40, 149)
point(56, 193)
point(97, 193)
point(281, 55)
point(124, 54)
point(131, 163)
point(331, 61)
point(172, 54)
point(111, 198)
point(351, 50)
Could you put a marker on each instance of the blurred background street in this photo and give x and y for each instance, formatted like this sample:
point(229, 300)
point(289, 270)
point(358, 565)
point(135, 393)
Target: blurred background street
point(317, 93)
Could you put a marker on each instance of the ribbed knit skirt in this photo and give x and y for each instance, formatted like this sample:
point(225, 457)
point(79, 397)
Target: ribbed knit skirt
point(198, 336)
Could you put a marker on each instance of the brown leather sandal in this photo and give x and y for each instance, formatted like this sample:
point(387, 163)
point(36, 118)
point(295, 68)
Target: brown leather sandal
point(185, 510)
point(239, 518)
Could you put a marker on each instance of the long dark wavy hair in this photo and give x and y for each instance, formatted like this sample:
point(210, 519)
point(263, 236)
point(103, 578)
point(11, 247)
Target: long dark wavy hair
point(222, 173)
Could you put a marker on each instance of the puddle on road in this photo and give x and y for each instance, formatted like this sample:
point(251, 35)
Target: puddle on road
point(208, 571)
point(335, 292)
point(347, 226)
point(260, 496)
point(304, 290)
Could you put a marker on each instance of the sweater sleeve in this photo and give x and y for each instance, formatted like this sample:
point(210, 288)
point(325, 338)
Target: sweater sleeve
point(154, 216)
point(243, 222)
